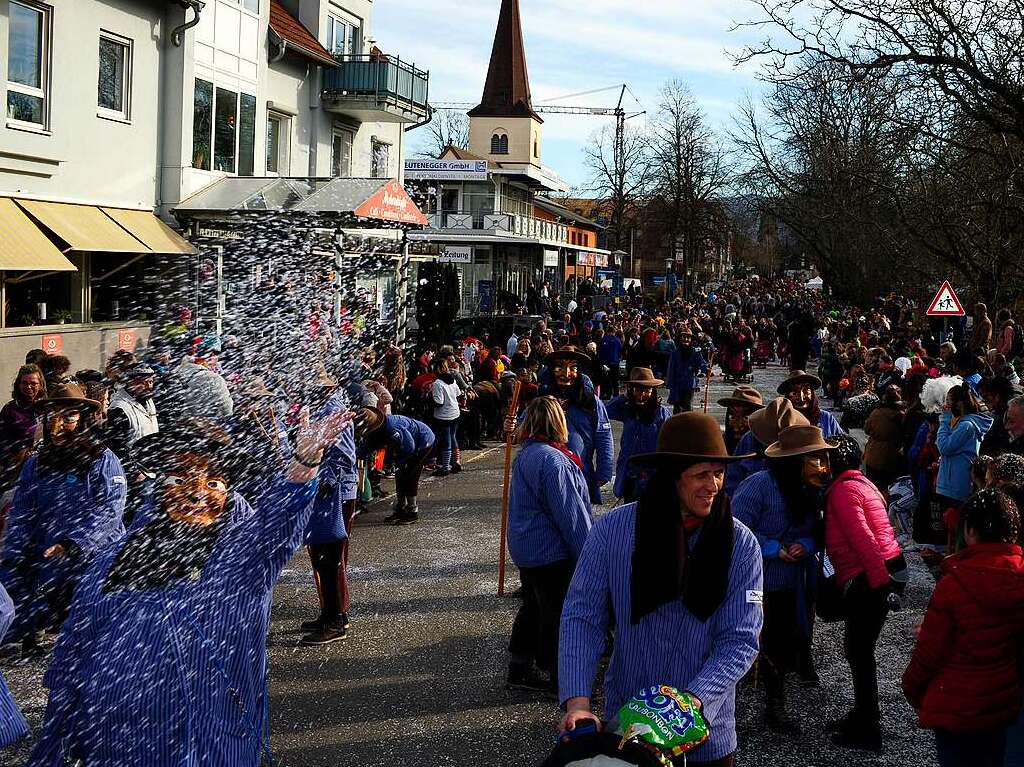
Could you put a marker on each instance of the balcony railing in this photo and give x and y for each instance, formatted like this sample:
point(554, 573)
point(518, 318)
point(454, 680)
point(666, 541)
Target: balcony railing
point(501, 223)
point(385, 79)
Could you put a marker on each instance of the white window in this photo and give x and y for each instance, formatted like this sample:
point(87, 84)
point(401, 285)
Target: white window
point(113, 97)
point(381, 159)
point(28, 63)
point(341, 153)
point(278, 126)
point(221, 131)
point(342, 35)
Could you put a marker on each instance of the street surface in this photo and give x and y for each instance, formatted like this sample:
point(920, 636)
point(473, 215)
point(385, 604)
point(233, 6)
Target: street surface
point(420, 680)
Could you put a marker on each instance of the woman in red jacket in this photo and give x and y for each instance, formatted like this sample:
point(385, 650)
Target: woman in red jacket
point(964, 678)
point(869, 566)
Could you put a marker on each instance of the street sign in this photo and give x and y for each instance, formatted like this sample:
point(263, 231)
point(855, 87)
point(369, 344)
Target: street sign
point(53, 344)
point(945, 303)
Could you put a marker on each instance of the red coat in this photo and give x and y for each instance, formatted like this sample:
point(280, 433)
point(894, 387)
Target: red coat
point(965, 673)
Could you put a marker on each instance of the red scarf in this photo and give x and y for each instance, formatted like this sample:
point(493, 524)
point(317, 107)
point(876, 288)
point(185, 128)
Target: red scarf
point(561, 447)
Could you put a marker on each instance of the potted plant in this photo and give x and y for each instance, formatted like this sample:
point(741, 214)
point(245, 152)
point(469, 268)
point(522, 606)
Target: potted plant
point(61, 316)
point(26, 320)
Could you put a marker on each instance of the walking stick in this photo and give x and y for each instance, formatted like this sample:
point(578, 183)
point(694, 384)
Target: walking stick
point(513, 411)
point(707, 389)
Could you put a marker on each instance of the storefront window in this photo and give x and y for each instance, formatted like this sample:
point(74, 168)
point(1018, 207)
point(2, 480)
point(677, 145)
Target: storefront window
point(123, 289)
point(34, 300)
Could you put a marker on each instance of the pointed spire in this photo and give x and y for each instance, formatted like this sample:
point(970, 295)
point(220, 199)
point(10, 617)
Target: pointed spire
point(507, 90)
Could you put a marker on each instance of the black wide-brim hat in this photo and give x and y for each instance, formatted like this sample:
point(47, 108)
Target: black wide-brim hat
point(796, 378)
point(689, 438)
point(570, 353)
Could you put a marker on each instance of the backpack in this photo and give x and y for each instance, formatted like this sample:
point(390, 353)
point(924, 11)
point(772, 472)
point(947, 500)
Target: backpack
point(1017, 347)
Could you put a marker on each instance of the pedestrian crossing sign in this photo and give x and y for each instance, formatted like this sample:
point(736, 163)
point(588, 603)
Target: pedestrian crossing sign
point(945, 303)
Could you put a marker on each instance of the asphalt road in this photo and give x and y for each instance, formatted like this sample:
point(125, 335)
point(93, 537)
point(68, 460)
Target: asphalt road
point(420, 680)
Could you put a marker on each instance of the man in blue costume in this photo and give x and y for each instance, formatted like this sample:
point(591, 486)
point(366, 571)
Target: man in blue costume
point(642, 416)
point(162, 661)
point(68, 505)
point(590, 431)
point(13, 726)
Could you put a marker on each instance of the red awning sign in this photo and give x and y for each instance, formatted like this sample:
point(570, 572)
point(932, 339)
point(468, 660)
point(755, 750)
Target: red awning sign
point(392, 203)
point(945, 303)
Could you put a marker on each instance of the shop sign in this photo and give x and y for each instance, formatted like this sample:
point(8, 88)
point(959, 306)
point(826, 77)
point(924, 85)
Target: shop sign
point(126, 340)
point(217, 234)
point(456, 254)
point(392, 203)
point(53, 344)
point(446, 170)
point(550, 257)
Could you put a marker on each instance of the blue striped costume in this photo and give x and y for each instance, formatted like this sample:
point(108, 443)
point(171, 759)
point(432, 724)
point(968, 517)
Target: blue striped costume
point(12, 724)
point(669, 646)
point(174, 676)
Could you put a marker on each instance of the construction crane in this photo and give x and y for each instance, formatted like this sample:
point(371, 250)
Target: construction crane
point(544, 107)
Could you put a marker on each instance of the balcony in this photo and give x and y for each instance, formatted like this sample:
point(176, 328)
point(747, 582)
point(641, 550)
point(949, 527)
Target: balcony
point(505, 224)
point(376, 88)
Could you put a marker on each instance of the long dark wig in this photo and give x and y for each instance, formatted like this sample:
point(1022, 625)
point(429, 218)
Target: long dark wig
point(663, 570)
point(801, 501)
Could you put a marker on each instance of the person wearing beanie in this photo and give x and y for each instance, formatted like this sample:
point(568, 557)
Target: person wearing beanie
point(964, 677)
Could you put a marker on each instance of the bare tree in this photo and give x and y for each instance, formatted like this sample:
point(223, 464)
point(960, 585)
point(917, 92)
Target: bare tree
point(620, 175)
point(689, 172)
point(448, 128)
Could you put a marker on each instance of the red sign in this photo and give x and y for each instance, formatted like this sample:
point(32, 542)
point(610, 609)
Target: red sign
point(391, 203)
point(53, 344)
point(126, 340)
point(945, 303)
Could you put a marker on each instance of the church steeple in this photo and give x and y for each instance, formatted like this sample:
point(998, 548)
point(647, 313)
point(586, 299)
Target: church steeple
point(507, 89)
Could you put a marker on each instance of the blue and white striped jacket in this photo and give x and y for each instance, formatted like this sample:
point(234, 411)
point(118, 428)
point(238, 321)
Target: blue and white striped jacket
point(176, 675)
point(549, 512)
point(668, 646)
point(12, 724)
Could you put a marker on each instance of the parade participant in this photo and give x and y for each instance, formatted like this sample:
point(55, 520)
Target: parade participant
point(163, 660)
point(68, 505)
point(765, 425)
point(19, 420)
point(445, 395)
point(131, 413)
point(13, 726)
point(964, 677)
point(780, 506)
point(257, 429)
point(681, 580)
point(548, 521)
point(801, 388)
point(205, 393)
point(869, 566)
point(409, 444)
point(883, 454)
point(962, 427)
point(744, 401)
point(642, 414)
point(590, 431)
point(685, 365)
point(329, 529)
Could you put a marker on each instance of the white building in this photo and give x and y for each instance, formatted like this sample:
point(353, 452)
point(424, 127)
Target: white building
point(117, 110)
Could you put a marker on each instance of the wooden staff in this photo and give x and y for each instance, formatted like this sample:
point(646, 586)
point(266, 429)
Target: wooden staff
point(707, 389)
point(509, 438)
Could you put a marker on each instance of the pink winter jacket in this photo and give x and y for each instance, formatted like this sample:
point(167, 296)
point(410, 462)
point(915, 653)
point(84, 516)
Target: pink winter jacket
point(858, 536)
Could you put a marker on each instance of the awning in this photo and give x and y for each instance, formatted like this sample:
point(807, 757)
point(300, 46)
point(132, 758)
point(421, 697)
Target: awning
point(153, 232)
point(378, 199)
point(23, 248)
point(83, 227)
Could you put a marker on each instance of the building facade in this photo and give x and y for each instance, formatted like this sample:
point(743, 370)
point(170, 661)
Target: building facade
point(489, 205)
point(119, 110)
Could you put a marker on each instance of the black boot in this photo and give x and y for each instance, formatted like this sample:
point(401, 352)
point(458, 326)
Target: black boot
point(778, 719)
point(866, 737)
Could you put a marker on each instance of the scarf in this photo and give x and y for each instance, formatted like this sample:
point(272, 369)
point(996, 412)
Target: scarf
point(663, 567)
point(561, 447)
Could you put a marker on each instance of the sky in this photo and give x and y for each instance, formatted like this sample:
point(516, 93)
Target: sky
point(570, 50)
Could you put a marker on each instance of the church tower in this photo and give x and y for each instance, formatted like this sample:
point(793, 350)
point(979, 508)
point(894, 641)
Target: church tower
point(504, 127)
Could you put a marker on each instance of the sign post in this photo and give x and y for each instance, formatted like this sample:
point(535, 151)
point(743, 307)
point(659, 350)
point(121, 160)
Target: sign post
point(945, 305)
